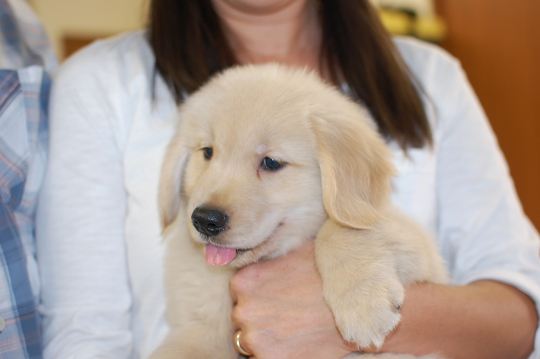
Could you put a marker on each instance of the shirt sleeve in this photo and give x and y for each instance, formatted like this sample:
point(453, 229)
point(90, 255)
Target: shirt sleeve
point(482, 229)
point(80, 226)
point(23, 146)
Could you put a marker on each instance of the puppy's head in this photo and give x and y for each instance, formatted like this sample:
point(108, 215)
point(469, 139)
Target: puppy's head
point(263, 155)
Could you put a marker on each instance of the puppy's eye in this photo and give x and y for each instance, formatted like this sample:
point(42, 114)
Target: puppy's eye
point(271, 164)
point(207, 151)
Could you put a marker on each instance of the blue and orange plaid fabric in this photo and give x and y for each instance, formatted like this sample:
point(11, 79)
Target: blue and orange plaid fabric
point(24, 89)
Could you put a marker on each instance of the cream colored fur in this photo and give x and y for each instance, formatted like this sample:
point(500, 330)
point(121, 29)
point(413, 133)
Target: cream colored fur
point(335, 186)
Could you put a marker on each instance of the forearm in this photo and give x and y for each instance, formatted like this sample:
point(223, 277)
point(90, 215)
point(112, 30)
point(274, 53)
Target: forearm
point(485, 319)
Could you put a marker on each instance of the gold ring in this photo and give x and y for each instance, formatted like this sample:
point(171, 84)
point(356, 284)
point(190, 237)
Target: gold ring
point(238, 346)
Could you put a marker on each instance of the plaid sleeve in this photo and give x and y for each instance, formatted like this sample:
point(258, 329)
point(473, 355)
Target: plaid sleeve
point(24, 86)
point(23, 140)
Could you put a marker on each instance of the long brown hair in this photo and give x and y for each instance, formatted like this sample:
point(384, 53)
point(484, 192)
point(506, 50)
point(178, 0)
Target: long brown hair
point(190, 46)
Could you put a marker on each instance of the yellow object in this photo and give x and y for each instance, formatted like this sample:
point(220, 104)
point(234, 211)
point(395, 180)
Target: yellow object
point(396, 22)
point(429, 28)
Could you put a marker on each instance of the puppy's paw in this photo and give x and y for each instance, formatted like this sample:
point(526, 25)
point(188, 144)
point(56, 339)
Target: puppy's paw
point(367, 312)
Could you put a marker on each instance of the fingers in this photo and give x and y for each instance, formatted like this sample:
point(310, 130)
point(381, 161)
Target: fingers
point(244, 281)
point(281, 311)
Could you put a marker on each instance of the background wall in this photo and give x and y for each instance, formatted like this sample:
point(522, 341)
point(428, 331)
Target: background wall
point(497, 41)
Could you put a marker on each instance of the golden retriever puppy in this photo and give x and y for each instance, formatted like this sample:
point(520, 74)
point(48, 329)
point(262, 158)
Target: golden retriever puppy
point(266, 158)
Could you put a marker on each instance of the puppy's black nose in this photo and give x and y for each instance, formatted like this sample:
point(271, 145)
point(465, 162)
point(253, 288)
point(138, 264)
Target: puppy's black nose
point(209, 222)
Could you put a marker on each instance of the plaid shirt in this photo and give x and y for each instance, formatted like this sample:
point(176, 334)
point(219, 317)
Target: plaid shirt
point(24, 86)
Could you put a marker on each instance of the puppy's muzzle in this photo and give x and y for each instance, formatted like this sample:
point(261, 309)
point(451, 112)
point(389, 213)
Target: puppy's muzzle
point(209, 222)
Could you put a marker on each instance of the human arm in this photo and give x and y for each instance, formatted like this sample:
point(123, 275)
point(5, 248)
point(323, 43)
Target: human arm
point(23, 152)
point(282, 313)
point(481, 229)
point(484, 319)
point(478, 224)
point(81, 249)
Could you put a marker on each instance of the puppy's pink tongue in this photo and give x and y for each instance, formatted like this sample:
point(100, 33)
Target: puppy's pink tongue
point(219, 256)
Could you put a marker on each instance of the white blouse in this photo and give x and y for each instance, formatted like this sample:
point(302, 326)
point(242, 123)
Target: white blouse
point(99, 247)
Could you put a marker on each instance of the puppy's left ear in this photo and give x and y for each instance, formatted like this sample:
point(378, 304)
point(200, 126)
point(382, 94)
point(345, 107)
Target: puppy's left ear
point(355, 168)
point(170, 185)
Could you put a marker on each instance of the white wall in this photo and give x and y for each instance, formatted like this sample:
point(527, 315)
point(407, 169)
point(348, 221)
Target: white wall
point(89, 17)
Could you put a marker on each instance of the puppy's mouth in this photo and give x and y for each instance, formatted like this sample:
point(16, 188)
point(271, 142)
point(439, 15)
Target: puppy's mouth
point(220, 256)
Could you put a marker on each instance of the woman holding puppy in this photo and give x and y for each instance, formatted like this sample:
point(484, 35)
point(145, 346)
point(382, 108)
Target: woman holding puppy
point(113, 111)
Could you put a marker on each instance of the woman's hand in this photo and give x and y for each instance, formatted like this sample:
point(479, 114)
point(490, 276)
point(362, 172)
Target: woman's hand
point(282, 314)
point(281, 311)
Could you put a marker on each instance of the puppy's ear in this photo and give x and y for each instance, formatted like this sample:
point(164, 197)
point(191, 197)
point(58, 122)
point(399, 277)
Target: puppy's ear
point(171, 181)
point(355, 168)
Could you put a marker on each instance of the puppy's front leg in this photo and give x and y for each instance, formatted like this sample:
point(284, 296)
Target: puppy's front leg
point(198, 304)
point(360, 283)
